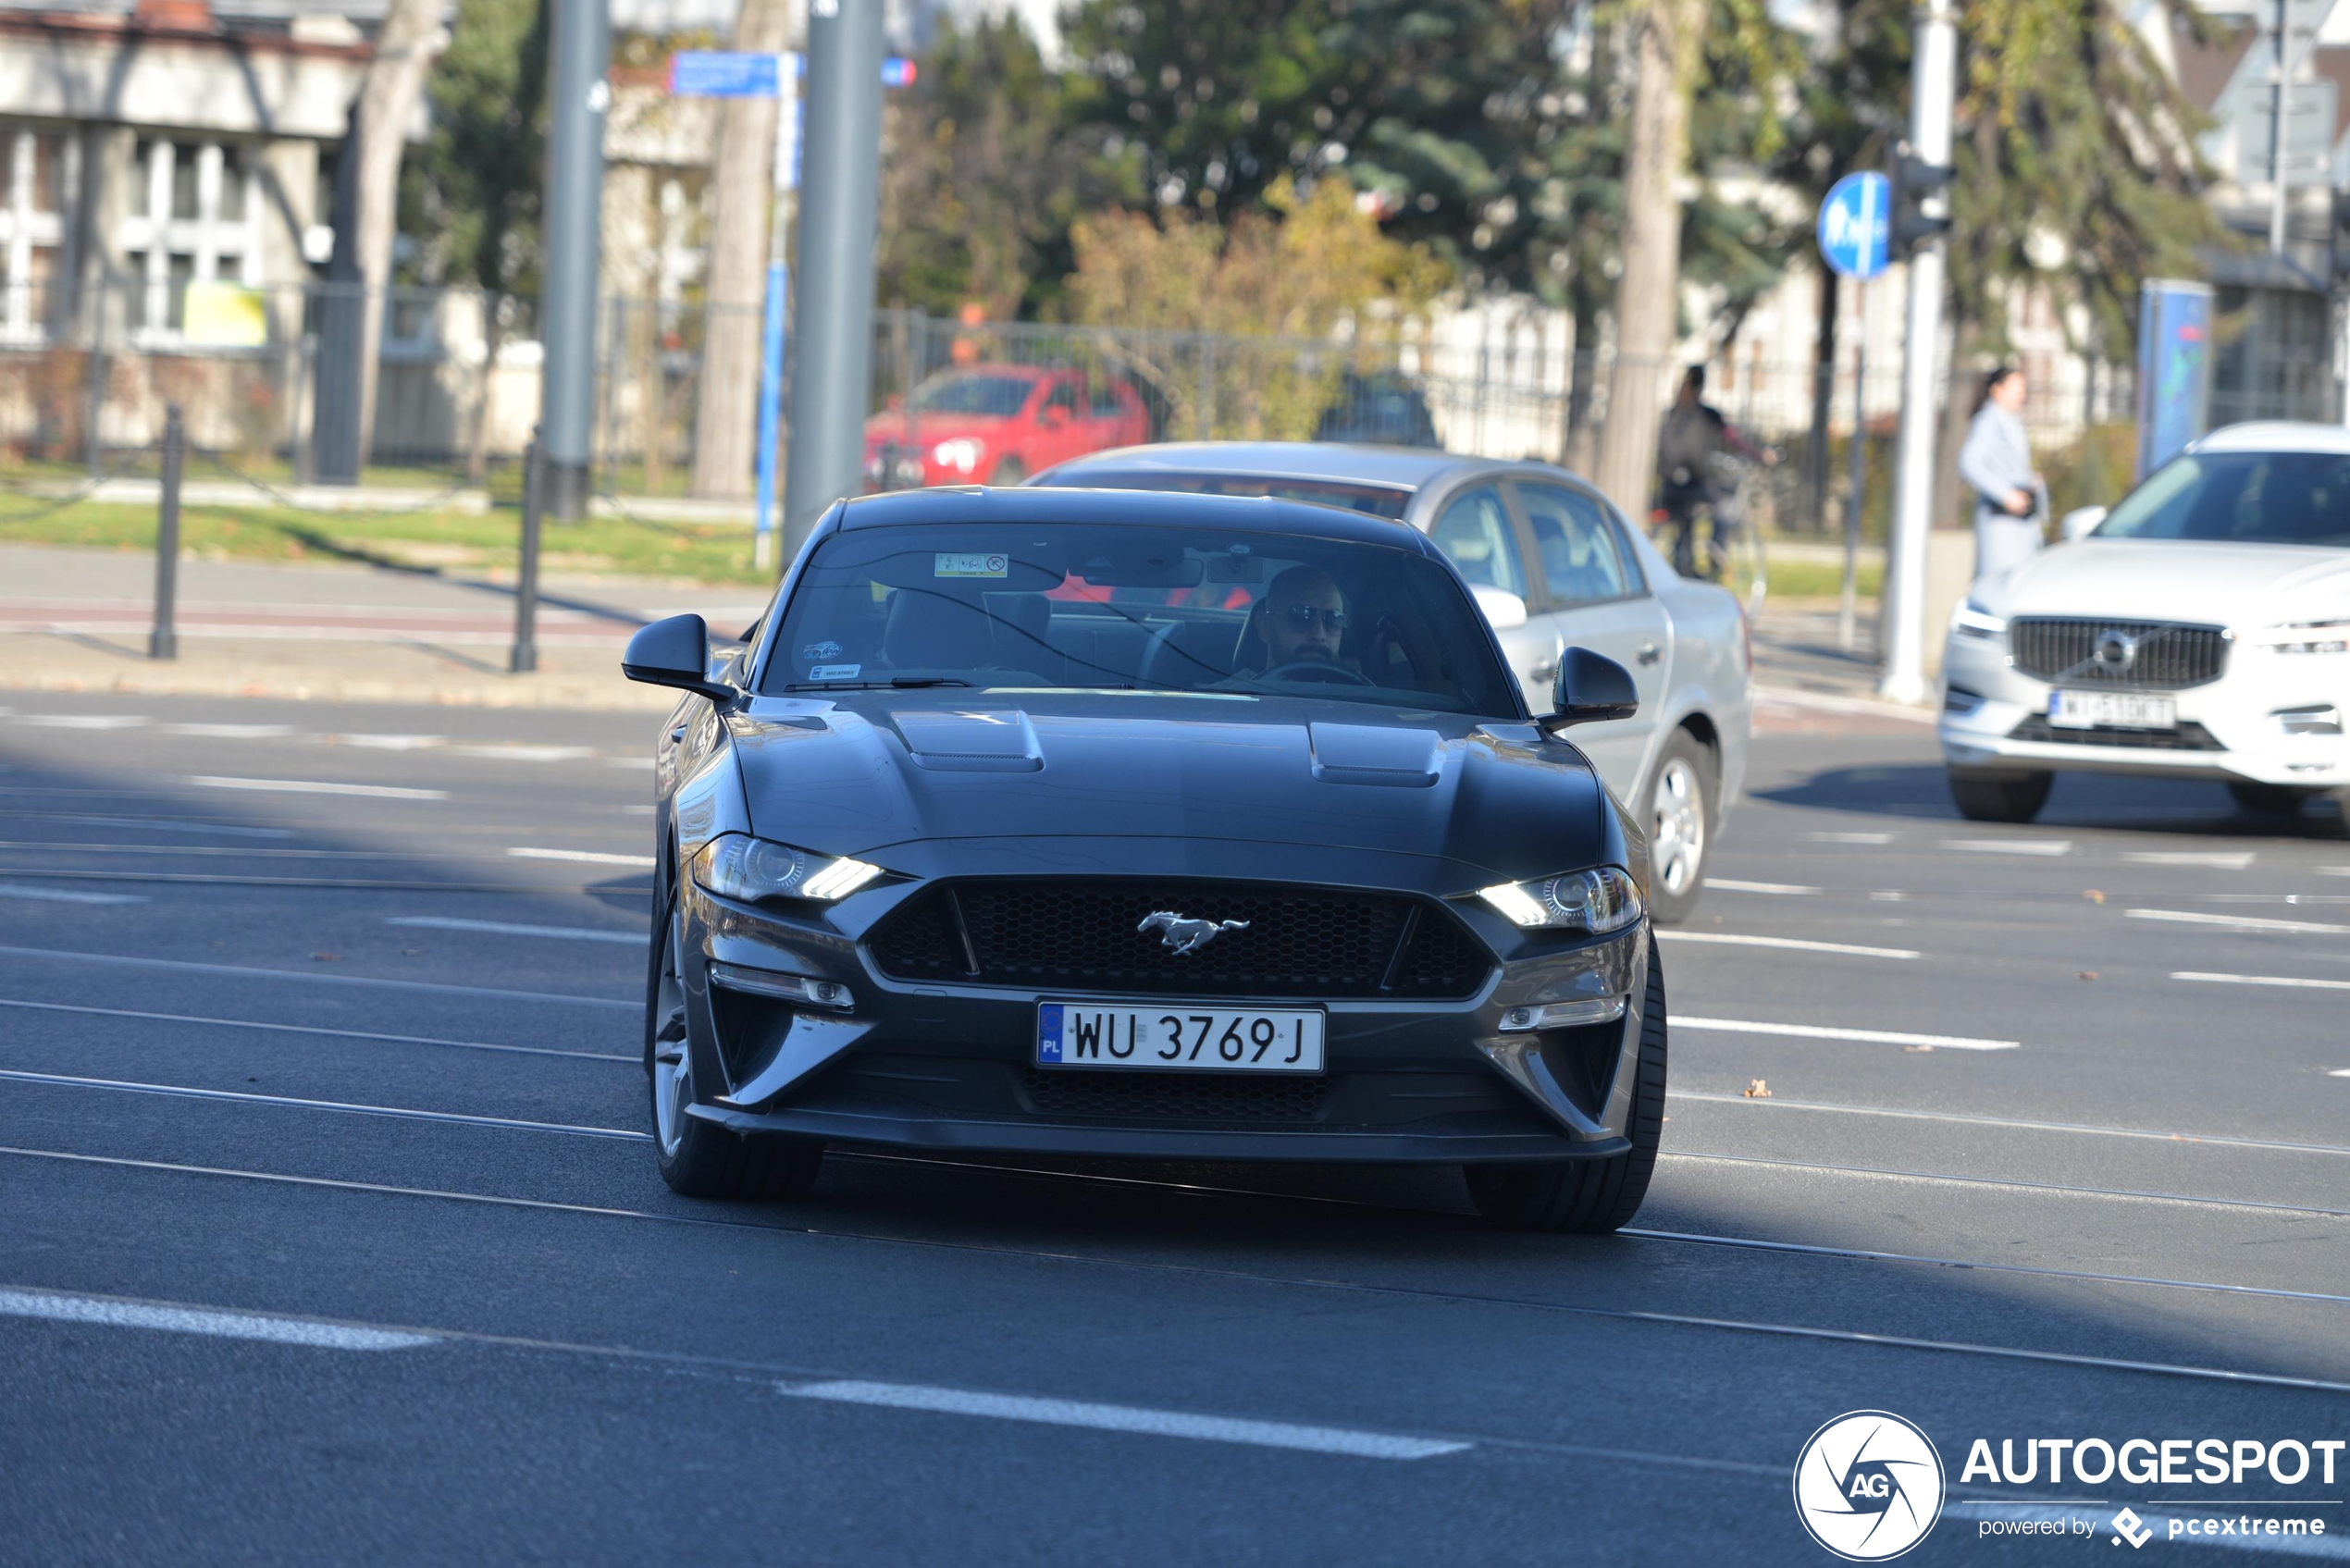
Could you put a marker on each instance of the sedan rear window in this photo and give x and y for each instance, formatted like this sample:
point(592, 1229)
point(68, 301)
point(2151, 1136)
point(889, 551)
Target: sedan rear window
point(1376, 500)
point(2270, 497)
point(1010, 605)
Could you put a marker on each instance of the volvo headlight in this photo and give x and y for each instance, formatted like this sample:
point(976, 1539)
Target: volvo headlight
point(2308, 636)
point(1597, 901)
point(736, 866)
point(961, 454)
point(1970, 618)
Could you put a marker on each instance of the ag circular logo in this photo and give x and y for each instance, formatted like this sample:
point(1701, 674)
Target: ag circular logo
point(1868, 1485)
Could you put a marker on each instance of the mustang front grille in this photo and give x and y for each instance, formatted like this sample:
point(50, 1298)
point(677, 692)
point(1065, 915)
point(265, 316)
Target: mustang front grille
point(2136, 655)
point(1081, 934)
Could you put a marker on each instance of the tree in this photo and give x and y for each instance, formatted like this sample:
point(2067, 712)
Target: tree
point(405, 46)
point(726, 422)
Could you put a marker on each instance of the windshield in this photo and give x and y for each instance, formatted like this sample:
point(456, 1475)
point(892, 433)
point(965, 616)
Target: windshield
point(2268, 497)
point(1010, 605)
point(1378, 500)
point(994, 397)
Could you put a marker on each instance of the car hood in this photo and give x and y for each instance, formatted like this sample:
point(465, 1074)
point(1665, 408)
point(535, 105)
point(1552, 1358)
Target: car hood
point(1497, 801)
point(2174, 580)
point(893, 425)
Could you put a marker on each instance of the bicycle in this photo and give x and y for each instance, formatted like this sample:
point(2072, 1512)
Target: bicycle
point(1729, 550)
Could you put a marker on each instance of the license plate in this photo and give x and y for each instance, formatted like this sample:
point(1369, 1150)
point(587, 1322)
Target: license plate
point(1175, 1036)
point(2111, 709)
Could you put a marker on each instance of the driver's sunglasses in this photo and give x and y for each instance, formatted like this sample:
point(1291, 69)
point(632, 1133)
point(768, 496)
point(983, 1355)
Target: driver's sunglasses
point(1303, 616)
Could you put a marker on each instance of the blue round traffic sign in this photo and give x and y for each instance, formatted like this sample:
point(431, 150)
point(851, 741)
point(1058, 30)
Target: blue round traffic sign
point(1855, 224)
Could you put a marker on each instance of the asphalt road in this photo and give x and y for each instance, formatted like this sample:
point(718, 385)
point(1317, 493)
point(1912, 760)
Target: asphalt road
point(332, 1233)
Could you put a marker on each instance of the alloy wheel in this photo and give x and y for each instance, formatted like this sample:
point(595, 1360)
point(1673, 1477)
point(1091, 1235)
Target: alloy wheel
point(672, 1063)
point(1676, 843)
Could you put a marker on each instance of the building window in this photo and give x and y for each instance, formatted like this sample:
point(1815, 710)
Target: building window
point(34, 177)
point(196, 222)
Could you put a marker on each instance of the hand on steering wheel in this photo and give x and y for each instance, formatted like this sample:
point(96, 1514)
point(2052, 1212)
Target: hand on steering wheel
point(1316, 670)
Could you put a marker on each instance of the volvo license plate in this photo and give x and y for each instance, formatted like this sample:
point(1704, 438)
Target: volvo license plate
point(1177, 1036)
point(2112, 709)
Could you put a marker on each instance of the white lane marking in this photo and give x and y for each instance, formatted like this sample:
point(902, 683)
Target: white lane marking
point(1797, 944)
point(112, 1313)
point(1821, 1031)
point(2220, 860)
point(1813, 1167)
point(1614, 1314)
point(2049, 846)
point(2339, 1072)
point(389, 743)
point(229, 732)
point(173, 824)
point(2326, 1547)
point(398, 1113)
point(2276, 1145)
point(313, 786)
point(60, 895)
point(1788, 696)
point(505, 752)
point(2332, 871)
point(1851, 838)
point(2239, 923)
point(507, 928)
point(311, 1028)
point(644, 762)
point(82, 720)
point(437, 987)
point(1792, 889)
point(1124, 1418)
point(585, 857)
point(2291, 981)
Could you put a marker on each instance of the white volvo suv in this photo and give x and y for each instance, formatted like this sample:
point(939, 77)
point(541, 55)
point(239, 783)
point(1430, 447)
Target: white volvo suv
point(2200, 629)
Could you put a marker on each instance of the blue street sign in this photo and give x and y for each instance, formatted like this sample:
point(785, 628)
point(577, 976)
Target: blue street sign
point(713, 73)
point(1855, 224)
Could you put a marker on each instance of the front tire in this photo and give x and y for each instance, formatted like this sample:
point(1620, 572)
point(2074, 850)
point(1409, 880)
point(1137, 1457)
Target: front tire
point(1008, 473)
point(1592, 1197)
point(1683, 794)
point(2266, 799)
point(700, 1159)
point(2012, 799)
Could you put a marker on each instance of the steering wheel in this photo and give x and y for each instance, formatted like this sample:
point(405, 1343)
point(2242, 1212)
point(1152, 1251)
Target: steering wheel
point(1316, 670)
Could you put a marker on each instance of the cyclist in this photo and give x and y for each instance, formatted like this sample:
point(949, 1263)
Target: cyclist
point(1694, 434)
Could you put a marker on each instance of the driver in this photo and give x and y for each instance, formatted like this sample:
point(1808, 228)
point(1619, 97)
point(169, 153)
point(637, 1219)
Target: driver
point(1301, 620)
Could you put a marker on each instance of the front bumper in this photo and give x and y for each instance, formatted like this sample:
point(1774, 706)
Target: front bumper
point(2234, 728)
point(952, 1066)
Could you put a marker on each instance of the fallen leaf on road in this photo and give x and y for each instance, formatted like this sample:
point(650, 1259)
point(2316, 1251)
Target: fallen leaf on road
point(326, 958)
point(1915, 1050)
point(1758, 1089)
point(2088, 974)
point(2094, 897)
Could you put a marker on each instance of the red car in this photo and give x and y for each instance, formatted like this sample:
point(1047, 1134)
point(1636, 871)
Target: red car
point(997, 424)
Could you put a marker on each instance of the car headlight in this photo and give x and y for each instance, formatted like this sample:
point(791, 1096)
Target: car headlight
point(1598, 901)
point(2307, 636)
point(1971, 620)
point(961, 454)
point(736, 866)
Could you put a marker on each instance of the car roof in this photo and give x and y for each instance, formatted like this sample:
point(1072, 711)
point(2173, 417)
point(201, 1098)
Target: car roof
point(2276, 435)
point(979, 503)
point(1403, 468)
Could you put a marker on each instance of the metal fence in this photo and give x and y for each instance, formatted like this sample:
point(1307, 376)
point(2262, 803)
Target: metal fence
point(268, 379)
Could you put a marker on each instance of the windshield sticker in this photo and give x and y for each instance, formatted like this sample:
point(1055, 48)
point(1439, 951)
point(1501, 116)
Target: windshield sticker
point(972, 567)
point(815, 650)
point(833, 672)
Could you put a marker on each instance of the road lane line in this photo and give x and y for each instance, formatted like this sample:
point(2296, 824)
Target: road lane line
point(159, 825)
point(107, 1312)
point(515, 752)
point(314, 787)
point(1794, 943)
point(388, 743)
point(585, 857)
point(437, 987)
point(2215, 1140)
point(82, 720)
point(2261, 980)
point(317, 1028)
point(2241, 922)
point(2014, 1183)
point(229, 732)
point(1789, 888)
point(508, 928)
point(2324, 1548)
point(63, 895)
point(1821, 1031)
point(2217, 860)
point(2048, 847)
point(1851, 838)
point(1402, 1292)
point(1124, 1418)
point(398, 1113)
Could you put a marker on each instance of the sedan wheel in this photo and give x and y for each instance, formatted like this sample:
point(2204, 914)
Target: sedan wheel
point(1680, 820)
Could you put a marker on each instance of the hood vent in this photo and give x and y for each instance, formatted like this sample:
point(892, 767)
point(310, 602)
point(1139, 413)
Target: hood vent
point(971, 743)
point(1367, 754)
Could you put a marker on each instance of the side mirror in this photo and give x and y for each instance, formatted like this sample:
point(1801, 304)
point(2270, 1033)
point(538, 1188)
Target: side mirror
point(676, 652)
point(1590, 687)
point(1503, 608)
point(2078, 522)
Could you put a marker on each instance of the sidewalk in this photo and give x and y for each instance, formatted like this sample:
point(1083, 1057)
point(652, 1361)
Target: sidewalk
point(1804, 680)
point(196, 491)
point(79, 620)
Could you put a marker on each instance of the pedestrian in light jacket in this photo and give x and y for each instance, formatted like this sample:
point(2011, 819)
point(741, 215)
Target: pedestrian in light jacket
point(2010, 499)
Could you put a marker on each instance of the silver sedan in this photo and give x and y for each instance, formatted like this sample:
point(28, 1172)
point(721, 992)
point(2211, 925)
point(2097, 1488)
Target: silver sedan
point(1554, 566)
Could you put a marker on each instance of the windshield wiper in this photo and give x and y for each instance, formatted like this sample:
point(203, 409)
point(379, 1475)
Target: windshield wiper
point(900, 682)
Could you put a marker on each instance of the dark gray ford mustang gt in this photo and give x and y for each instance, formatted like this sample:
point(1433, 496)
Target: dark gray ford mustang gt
point(1096, 822)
